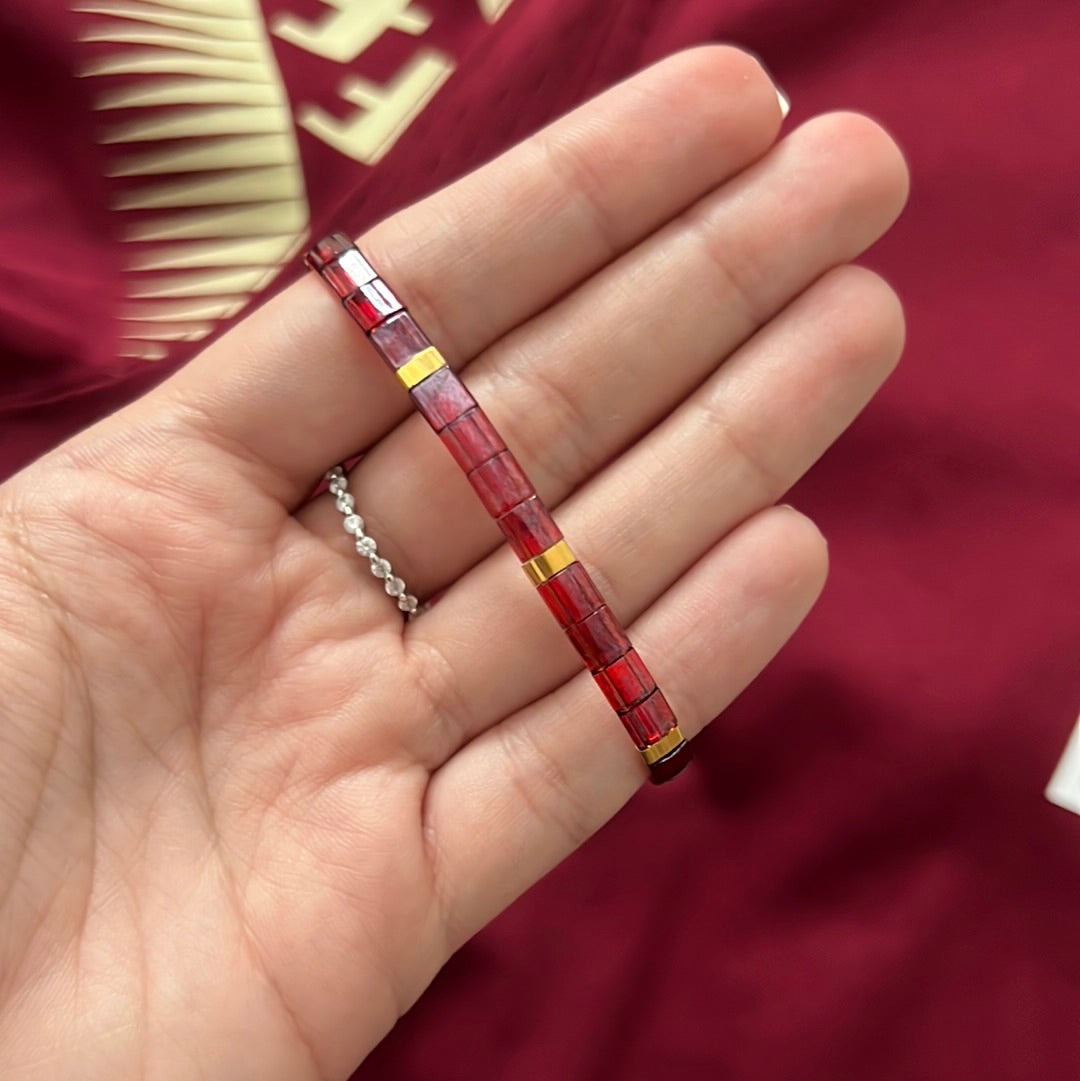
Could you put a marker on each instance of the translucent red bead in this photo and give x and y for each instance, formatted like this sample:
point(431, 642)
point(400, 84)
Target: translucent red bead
point(599, 638)
point(399, 339)
point(625, 682)
point(442, 398)
point(571, 594)
point(329, 249)
point(529, 528)
point(501, 484)
point(472, 440)
point(650, 721)
point(372, 303)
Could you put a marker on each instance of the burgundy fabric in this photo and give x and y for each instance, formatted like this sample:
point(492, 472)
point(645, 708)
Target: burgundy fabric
point(860, 877)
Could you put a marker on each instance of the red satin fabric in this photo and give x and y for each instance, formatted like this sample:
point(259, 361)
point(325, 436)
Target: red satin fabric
point(860, 877)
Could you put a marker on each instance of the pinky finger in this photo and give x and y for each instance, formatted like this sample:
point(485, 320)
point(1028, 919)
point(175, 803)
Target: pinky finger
point(521, 797)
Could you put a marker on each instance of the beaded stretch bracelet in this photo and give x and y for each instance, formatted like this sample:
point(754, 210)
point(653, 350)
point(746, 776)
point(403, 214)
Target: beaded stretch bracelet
point(511, 500)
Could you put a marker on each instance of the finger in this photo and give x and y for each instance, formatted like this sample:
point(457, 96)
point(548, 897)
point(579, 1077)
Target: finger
point(733, 448)
point(577, 384)
point(522, 796)
point(295, 387)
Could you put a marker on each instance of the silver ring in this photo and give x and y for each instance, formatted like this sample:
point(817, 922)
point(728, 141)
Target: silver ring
point(365, 545)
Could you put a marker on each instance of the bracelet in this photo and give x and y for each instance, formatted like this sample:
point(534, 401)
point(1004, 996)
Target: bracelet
point(509, 497)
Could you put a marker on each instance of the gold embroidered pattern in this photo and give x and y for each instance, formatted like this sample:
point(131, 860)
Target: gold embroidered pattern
point(234, 209)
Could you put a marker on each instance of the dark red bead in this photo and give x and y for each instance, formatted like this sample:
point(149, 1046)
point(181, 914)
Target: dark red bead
point(372, 303)
point(599, 638)
point(529, 528)
point(442, 398)
point(348, 273)
point(626, 682)
point(399, 339)
point(571, 595)
point(501, 484)
point(472, 440)
point(327, 250)
point(649, 720)
point(672, 764)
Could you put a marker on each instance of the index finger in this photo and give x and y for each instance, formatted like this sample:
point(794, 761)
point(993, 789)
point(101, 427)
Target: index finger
point(295, 388)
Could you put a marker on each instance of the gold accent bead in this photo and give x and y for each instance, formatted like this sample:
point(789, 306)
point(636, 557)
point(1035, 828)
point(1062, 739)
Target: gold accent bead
point(664, 745)
point(418, 368)
point(550, 561)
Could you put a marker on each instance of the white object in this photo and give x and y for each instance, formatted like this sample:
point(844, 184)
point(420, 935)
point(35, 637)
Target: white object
point(1064, 786)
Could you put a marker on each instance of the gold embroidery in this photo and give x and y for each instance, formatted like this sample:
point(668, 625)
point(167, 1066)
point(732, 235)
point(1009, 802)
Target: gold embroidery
point(189, 92)
point(174, 332)
point(493, 10)
point(183, 41)
point(196, 122)
point(235, 152)
point(233, 186)
point(177, 62)
point(343, 34)
point(386, 111)
point(205, 283)
point(216, 26)
point(230, 221)
point(226, 232)
point(181, 310)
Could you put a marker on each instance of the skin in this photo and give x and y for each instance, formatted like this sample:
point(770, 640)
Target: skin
point(245, 812)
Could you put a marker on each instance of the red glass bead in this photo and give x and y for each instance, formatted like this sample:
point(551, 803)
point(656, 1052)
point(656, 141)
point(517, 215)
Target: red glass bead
point(399, 339)
point(501, 484)
point(372, 303)
point(599, 639)
point(529, 528)
point(327, 250)
point(649, 720)
point(671, 765)
point(349, 273)
point(442, 398)
point(472, 440)
point(571, 595)
point(626, 682)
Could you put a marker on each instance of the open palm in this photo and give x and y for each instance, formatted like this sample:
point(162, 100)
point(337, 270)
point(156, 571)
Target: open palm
point(246, 812)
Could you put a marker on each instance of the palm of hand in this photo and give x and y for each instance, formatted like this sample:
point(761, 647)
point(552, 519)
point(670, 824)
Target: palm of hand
point(231, 790)
point(245, 814)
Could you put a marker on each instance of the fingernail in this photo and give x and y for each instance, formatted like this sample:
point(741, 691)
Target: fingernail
point(781, 97)
point(785, 102)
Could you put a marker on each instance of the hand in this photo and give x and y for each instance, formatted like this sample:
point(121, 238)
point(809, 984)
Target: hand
point(245, 812)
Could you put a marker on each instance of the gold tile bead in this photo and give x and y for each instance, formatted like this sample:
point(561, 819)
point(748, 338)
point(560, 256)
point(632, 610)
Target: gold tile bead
point(418, 368)
point(664, 745)
point(549, 562)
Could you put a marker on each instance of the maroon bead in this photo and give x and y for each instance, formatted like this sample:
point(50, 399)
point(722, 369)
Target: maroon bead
point(626, 682)
point(649, 720)
point(348, 273)
point(399, 339)
point(372, 303)
point(501, 484)
point(442, 398)
point(671, 765)
point(327, 250)
point(529, 528)
point(571, 595)
point(599, 638)
point(472, 440)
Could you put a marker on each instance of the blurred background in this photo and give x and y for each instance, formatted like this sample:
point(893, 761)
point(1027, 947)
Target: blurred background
point(861, 877)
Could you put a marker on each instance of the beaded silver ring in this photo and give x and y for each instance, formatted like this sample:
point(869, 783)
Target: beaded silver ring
point(353, 524)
